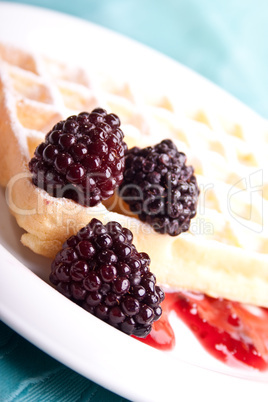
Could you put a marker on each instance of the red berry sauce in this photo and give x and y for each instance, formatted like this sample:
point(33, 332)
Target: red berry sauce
point(227, 330)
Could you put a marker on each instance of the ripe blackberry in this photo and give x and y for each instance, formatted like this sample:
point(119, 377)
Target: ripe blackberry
point(101, 270)
point(82, 158)
point(160, 188)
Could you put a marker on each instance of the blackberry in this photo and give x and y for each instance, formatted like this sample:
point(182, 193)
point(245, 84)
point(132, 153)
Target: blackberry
point(101, 270)
point(160, 188)
point(82, 158)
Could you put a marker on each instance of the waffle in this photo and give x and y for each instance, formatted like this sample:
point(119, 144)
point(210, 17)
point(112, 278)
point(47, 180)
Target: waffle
point(224, 254)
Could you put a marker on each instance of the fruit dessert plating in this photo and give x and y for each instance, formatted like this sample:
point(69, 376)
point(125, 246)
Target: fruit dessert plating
point(82, 158)
point(160, 188)
point(101, 270)
point(219, 257)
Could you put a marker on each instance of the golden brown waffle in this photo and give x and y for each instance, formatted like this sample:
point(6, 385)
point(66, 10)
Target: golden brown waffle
point(225, 252)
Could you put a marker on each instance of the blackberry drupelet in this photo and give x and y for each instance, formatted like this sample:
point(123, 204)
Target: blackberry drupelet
point(101, 270)
point(160, 188)
point(82, 158)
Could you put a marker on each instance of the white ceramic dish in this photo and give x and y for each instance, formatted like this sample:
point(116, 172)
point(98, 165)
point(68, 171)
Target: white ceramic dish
point(35, 310)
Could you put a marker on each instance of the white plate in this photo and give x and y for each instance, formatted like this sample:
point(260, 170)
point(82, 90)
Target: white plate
point(53, 323)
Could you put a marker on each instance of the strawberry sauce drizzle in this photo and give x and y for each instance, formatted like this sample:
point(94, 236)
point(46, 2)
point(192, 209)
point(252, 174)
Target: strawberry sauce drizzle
point(227, 330)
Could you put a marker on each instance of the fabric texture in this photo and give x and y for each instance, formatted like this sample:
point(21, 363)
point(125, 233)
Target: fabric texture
point(28, 375)
point(224, 41)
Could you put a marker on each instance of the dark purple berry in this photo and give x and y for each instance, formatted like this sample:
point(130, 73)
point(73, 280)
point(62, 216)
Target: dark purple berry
point(160, 188)
point(63, 162)
point(79, 270)
point(116, 316)
point(78, 292)
point(102, 312)
point(49, 154)
point(108, 272)
point(82, 158)
point(107, 257)
point(75, 173)
point(101, 270)
point(130, 306)
point(121, 285)
point(104, 241)
point(66, 141)
point(63, 272)
point(85, 249)
point(93, 298)
point(145, 316)
point(92, 282)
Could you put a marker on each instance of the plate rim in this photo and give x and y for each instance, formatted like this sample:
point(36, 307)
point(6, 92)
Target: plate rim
point(25, 329)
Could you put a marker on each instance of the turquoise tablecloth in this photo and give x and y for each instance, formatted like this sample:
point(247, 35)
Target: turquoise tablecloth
point(226, 41)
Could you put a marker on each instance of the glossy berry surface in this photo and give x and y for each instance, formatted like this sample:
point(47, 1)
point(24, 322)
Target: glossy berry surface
point(101, 270)
point(160, 188)
point(82, 158)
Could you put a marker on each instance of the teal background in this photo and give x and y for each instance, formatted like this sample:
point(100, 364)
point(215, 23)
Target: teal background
point(225, 41)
